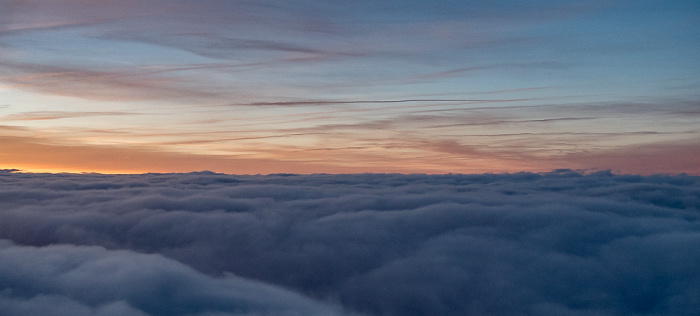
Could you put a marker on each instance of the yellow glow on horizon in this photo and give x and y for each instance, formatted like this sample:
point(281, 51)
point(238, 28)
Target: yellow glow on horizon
point(44, 169)
point(35, 154)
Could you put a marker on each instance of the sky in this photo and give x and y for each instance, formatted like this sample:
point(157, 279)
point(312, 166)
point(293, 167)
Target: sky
point(205, 244)
point(311, 86)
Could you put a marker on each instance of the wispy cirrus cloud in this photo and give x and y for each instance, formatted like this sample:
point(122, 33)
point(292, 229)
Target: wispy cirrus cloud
point(137, 83)
point(331, 102)
point(55, 115)
point(231, 33)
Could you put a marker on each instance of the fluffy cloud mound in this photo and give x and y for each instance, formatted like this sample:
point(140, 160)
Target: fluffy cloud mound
point(83, 280)
point(517, 244)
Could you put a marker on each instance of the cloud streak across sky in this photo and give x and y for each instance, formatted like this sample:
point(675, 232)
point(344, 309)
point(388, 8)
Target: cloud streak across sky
point(368, 244)
point(241, 79)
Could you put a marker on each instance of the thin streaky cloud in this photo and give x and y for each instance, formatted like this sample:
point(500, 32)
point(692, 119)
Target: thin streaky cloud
point(55, 115)
point(513, 121)
point(58, 25)
point(465, 71)
point(386, 109)
point(101, 84)
point(326, 102)
point(233, 139)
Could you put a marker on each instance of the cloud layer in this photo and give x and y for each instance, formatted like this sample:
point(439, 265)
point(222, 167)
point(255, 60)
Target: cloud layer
point(75, 280)
point(376, 244)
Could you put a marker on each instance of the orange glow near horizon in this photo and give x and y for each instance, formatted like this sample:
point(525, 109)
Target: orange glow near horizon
point(28, 154)
point(42, 155)
point(435, 87)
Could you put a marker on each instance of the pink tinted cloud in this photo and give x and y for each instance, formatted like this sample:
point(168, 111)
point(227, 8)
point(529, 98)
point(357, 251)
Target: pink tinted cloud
point(135, 83)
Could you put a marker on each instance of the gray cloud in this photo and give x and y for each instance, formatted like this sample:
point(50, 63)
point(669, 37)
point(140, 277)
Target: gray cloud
point(75, 280)
point(516, 244)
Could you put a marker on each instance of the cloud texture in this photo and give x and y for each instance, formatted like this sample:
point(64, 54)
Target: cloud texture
point(376, 244)
point(79, 280)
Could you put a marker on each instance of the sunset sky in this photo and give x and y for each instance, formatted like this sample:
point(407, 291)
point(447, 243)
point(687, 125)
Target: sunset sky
point(312, 86)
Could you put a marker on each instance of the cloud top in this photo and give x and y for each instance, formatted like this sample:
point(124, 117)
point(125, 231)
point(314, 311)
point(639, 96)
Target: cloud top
point(80, 280)
point(378, 244)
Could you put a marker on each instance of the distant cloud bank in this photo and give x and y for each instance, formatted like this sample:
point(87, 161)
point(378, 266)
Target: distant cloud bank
point(558, 243)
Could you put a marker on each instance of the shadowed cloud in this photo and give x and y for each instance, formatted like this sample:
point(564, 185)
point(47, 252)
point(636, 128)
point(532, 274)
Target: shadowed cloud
point(378, 244)
point(74, 280)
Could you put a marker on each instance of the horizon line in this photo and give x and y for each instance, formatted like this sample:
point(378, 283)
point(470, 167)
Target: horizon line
point(561, 171)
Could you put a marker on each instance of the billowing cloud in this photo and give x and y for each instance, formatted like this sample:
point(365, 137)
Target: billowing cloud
point(378, 244)
point(72, 280)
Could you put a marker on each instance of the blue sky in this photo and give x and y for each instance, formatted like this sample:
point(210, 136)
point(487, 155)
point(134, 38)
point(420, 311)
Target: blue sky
point(350, 86)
